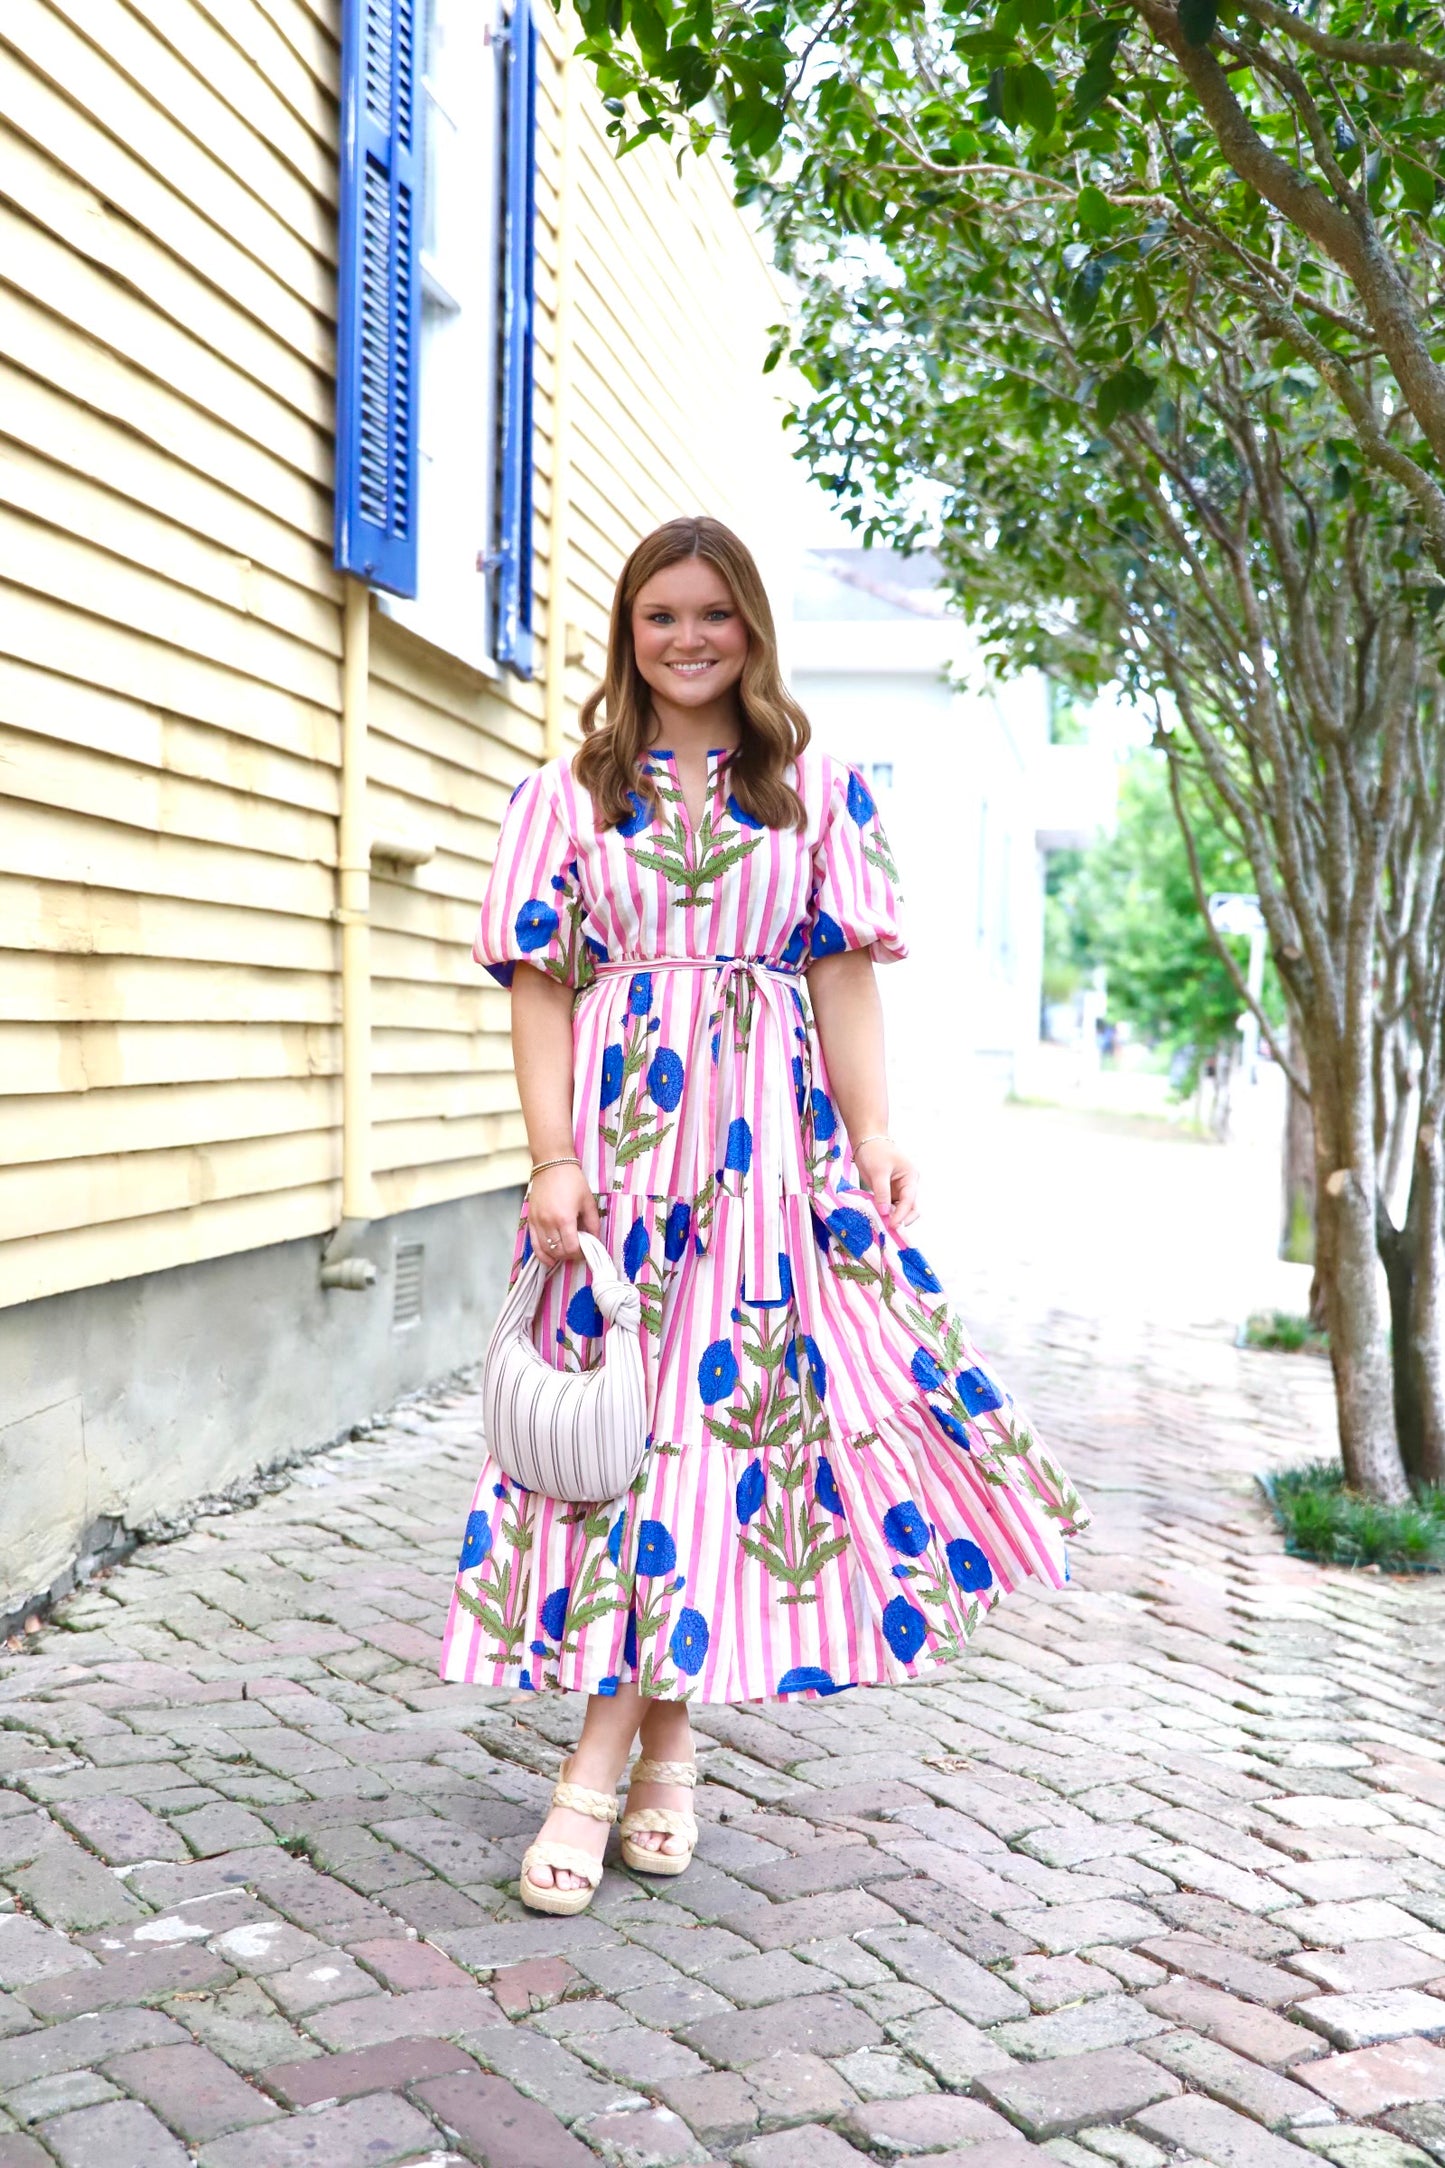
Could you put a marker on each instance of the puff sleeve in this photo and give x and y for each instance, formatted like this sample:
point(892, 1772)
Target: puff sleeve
point(532, 908)
point(854, 902)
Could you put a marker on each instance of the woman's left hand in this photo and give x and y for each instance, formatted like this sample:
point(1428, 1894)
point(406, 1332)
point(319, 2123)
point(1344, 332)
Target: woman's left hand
point(893, 1180)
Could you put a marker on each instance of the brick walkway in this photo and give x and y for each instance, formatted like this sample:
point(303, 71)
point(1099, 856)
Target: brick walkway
point(1160, 1872)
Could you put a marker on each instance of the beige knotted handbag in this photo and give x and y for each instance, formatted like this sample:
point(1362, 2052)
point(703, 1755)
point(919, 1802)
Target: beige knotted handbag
point(574, 1435)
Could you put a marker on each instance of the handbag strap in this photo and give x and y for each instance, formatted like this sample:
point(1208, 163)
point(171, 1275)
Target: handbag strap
point(617, 1298)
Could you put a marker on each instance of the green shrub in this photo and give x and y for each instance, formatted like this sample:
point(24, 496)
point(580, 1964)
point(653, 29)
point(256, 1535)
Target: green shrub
point(1283, 1331)
point(1323, 1519)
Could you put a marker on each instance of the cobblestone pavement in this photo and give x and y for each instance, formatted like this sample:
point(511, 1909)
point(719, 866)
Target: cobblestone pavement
point(1159, 1872)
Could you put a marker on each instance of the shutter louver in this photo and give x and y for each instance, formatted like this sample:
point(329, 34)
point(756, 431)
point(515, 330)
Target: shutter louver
point(514, 573)
point(378, 297)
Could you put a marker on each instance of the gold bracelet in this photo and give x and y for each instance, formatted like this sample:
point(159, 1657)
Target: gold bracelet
point(879, 1136)
point(563, 1159)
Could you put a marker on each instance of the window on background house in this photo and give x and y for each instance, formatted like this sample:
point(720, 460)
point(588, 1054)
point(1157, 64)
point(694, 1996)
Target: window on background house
point(435, 351)
point(882, 775)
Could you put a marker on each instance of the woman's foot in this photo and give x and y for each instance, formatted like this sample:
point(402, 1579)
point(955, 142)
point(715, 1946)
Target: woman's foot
point(593, 1767)
point(658, 1825)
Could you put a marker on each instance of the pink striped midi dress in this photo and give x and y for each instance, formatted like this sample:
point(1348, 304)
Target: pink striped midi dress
point(836, 1488)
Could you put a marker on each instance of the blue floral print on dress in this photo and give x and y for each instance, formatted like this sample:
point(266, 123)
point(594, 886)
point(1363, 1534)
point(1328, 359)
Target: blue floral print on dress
point(739, 1156)
point(800, 1087)
point(919, 1272)
point(853, 1229)
point(717, 1372)
point(751, 1491)
point(977, 1391)
point(795, 947)
point(634, 1249)
point(785, 1276)
point(629, 1642)
point(860, 800)
point(656, 1551)
point(476, 1542)
point(553, 1615)
point(968, 1565)
point(688, 1644)
point(637, 819)
point(828, 936)
point(817, 1368)
point(665, 1078)
point(825, 1121)
point(825, 1489)
point(536, 924)
point(583, 1315)
point(612, 1074)
point(926, 1372)
point(905, 1529)
point(807, 1679)
point(905, 1629)
point(639, 993)
point(614, 1539)
point(741, 815)
point(675, 1232)
point(951, 1427)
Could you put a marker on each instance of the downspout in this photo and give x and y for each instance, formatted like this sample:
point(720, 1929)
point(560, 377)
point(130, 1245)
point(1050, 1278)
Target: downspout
point(565, 647)
point(341, 1266)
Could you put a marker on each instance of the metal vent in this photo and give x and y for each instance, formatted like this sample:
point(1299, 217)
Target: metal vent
point(407, 1288)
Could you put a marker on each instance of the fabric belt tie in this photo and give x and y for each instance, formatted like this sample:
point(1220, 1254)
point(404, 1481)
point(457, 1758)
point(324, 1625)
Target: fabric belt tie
point(754, 1069)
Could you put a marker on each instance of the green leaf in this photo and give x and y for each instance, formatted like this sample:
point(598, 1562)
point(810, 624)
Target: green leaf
point(1093, 210)
point(1125, 392)
point(1037, 105)
point(1198, 19)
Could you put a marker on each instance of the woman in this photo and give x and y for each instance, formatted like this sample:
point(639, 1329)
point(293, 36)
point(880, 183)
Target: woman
point(836, 1490)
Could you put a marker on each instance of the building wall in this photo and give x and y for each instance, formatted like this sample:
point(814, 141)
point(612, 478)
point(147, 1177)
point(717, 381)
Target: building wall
point(170, 652)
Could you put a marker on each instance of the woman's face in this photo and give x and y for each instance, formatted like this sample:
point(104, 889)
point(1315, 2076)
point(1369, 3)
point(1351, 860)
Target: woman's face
point(688, 634)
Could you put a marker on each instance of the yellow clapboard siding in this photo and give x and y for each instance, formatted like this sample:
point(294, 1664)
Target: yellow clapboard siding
point(408, 1189)
point(79, 1058)
point(231, 62)
point(98, 518)
point(84, 715)
point(127, 1120)
point(133, 49)
point(399, 907)
point(397, 1003)
point(58, 429)
point(311, 32)
point(73, 214)
point(115, 173)
point(442, 1098)
point(66, 918)
point(72, 780)
point(248, 28)
point(54, 846)
point(51, 1264)
point(399, 1146)
point(178, 156)
point(42, 629)
point(424, 1053)
point(36, 987)
point(87, 578)
point(40, 267)
point(411, 959)
point(51, 350)
point(46, 1199)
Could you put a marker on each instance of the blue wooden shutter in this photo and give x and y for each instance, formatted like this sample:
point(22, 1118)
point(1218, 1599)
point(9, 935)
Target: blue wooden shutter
point(514, 570)
point(379, 298)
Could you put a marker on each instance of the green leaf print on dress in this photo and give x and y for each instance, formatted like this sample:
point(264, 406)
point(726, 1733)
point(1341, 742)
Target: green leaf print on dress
point(693, 863)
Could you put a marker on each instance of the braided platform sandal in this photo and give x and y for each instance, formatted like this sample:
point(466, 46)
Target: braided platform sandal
point(642, 1858)
point(569, 1858)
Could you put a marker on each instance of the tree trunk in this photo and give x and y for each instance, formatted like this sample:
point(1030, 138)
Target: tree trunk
point(1297, 1214)
point(1348, 1260)
point(1413, 1272)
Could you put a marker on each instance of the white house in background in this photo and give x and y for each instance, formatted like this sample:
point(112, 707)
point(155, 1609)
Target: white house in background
point(973, 794)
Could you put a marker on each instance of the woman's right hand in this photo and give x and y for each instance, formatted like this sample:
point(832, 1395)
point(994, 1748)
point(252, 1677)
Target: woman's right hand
point(559, 1203)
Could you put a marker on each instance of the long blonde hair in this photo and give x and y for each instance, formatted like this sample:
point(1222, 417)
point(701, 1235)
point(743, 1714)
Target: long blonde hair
point(775, 729)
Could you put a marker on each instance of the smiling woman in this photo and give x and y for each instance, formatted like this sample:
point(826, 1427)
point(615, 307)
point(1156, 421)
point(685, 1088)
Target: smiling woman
point(836, 1489)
